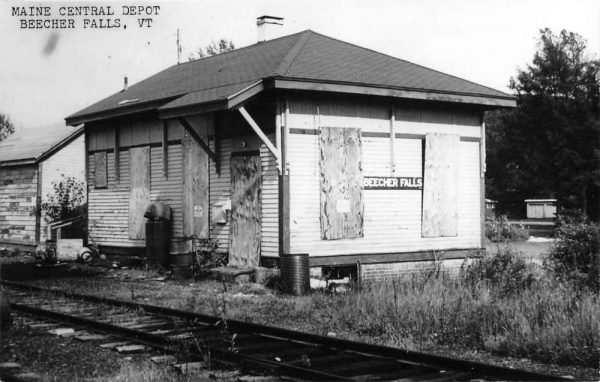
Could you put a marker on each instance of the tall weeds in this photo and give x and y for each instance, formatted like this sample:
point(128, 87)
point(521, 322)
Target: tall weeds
point(543, 320)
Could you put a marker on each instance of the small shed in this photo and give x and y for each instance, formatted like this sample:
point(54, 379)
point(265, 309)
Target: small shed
point(541, 208)
point(301, 144)
point(31, 159)
point(490, 207)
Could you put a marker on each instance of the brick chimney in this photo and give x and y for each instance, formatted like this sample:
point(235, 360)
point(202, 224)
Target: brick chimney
point(268, 27)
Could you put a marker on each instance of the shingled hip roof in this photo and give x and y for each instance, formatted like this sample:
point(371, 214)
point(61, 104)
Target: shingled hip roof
point(293, 61)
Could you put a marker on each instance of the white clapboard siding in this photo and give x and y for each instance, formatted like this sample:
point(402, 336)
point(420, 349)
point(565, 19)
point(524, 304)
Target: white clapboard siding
point(269, 203)
point(168, 189)
point(109, 208)
point(18, 190)
point(220, 191)
point(392, 219)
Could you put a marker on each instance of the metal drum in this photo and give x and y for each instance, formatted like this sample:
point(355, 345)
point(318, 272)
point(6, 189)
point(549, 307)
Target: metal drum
point(5, 316)
point(295, 274)
point(181, 258)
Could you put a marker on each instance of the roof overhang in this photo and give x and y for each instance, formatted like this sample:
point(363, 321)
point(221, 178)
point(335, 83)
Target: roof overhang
point(425, 95)
point(18, 162)
point(233, 96)
point(129, 109)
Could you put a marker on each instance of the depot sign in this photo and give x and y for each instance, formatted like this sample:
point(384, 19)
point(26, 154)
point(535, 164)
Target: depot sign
point(392, 183)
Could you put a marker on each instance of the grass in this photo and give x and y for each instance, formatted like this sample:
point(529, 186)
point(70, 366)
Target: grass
point(543, 320)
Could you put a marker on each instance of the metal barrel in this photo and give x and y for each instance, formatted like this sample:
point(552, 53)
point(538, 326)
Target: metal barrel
point(181, 258)
point(295, 273)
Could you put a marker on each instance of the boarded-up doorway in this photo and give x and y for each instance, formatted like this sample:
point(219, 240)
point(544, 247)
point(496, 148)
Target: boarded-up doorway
point(195, 189)
point(244, 242)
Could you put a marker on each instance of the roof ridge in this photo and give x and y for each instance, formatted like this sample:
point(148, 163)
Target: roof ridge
point(412, 63)
point(289, 58)
point(238, 49)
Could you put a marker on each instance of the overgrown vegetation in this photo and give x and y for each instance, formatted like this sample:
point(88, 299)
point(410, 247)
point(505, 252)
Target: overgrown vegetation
point(499, 303)
point(504, 272)
point(575, 257)
point(498, 229)
point(544, 320)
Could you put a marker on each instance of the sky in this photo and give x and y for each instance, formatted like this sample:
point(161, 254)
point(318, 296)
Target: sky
point(48, 74)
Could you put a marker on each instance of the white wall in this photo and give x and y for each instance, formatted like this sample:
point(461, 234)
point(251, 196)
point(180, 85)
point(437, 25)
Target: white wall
point(68, 161)
point(392, 219)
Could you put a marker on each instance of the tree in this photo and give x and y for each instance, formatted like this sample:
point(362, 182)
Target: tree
point(212, 49)
point(549, 146)
point(6, 127)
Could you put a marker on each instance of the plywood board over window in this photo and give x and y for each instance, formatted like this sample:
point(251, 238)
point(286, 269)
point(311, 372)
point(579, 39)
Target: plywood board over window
point(100, 174)
point(139, 195)
point(342, 211)
point(440, 185)
point(246, 184)
point(195, 189)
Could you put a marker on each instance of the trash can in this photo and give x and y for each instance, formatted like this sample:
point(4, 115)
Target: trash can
point(158, 230)
point(295, 273)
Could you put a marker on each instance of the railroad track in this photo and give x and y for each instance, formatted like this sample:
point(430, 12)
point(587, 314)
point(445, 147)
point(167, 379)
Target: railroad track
point(248, 346)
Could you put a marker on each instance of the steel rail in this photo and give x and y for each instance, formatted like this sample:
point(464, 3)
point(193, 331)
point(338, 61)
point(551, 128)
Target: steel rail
point(422, 359)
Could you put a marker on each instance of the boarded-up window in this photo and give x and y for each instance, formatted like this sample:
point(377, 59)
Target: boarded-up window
point(341, 183)
point(440, 185)
point(139, 196)
point(100, 175)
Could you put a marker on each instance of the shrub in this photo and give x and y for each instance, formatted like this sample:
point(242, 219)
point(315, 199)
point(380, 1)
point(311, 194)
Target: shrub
point(67, 199)
point(575, 256)
point(499, 230)
point(505, 271)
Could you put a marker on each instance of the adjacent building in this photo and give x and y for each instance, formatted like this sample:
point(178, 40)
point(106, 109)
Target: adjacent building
point(31, 159)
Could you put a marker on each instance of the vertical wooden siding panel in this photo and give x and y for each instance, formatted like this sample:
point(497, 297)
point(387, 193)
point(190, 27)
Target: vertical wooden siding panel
point(440, 185)
point(139, 196)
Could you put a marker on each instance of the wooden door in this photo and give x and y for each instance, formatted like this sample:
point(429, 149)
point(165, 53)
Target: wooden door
point(244, 238)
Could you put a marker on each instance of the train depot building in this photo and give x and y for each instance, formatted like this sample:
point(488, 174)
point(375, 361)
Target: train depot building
point(301, 144)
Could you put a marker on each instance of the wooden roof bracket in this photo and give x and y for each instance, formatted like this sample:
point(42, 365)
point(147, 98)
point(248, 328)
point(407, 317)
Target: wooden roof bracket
point(276, 151)
point(190, 130)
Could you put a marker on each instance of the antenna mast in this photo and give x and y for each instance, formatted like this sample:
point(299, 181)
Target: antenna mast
point(178, 48)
